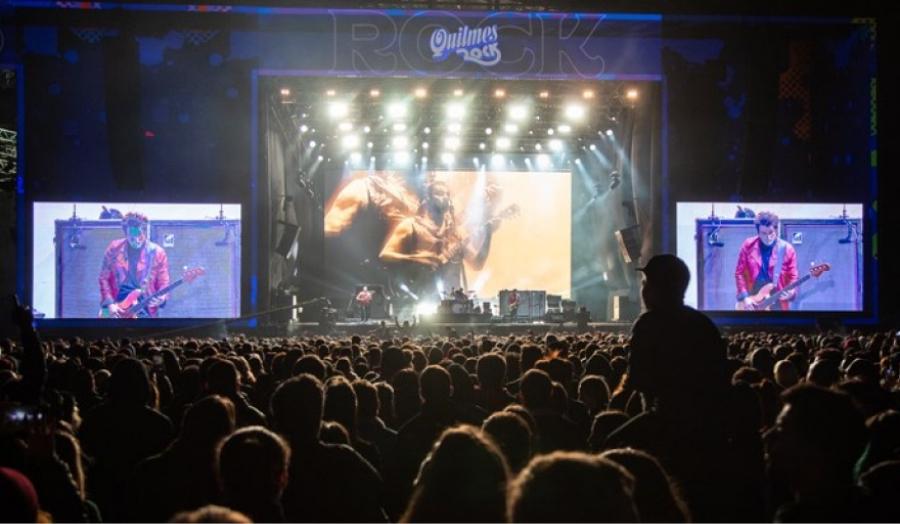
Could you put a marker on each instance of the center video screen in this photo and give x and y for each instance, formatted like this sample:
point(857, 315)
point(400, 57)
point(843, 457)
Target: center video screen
point(421, 236)
point(136, 260)
point(777, 257)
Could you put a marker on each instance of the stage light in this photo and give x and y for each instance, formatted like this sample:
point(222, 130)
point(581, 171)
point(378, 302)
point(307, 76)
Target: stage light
point(374, 93)
point(345, 126)
point(543, 161)
point(538, 147)
point(457, 92)
point(420, 92)
point(593, 147)
point(578, 161)
point(497, 161)
point(454, 127)
point(481, 146)
point(503, 143)
point(452, 142)
point(550, 131)
point(511, 128)
point(447, 158)
point(330, 92)
point(400, 142)
point(285, 91)
point(574, 112)
point(367, 129)
point(488, 131)
point(500, 93)
point(304, 128)
point(609, 133)
point(424, 160)
point(425, 146)
point(544, 94)
point(338, 110)
point(587, 94)
point(426, 309)
point(350, 142)
point(355, 157)
point(475, 161)
point(518, 112)
point(427, 130)
point(564, 128)
point(320, 158)
point(399, 127)
point(555, 145)
point(312, 144)
point(396, 110)
point(401, 158)
point(631, 94)
point(455, 111)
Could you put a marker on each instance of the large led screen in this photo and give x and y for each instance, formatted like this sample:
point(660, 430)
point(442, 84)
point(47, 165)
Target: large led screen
point(136, 260)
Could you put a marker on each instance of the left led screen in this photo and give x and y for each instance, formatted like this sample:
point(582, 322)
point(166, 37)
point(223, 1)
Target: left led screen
point(136, 260)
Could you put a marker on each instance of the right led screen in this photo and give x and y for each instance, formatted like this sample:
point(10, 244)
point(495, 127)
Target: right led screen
point(760, 256)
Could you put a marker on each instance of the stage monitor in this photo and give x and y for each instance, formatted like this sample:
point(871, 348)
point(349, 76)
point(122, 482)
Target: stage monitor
point(136, 260)
point(814, 255)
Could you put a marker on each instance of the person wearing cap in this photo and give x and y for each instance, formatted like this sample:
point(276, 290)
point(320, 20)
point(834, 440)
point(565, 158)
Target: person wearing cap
point(677, 353)
point(130, 263)
point(678, 361)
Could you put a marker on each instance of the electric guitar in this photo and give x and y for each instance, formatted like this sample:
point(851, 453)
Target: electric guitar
point(767, 295)
point(132, 305)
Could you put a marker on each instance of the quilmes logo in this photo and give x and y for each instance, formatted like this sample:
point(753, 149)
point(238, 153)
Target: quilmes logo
point(479, 45)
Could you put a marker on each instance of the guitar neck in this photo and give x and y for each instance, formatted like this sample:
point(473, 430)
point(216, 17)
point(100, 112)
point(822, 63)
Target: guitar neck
point(143, 301)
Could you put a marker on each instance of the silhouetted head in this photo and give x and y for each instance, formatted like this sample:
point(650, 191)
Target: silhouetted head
point(491, 370)
point(817, 438)
point(572, 487)
point(536, 389)
point(436, 385)
point(129, 383)
point(340, 403)
point(462, 479)
point(253, 465)
point(211, 514)
point(655, 495)
point(666, 278)
point(297, 406)
point(512, 435)
point(208, 420)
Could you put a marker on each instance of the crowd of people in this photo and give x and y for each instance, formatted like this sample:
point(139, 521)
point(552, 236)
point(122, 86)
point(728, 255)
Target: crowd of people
point(672, 423)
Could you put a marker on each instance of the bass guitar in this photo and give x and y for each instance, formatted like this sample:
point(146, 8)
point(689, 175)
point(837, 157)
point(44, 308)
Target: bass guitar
point(768, 295)
point(136, 302)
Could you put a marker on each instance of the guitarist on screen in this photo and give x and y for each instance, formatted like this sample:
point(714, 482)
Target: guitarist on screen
point(431, 245)
point(131, 263)
point(766, 259)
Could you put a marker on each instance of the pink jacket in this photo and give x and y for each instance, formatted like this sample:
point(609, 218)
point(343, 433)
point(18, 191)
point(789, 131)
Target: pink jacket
point(152, 270)
point(750, 262)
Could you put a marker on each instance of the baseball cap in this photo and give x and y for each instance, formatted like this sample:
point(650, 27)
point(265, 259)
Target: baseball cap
point(667, 271)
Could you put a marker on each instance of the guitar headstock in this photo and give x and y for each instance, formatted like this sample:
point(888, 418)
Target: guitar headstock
point(192, 274)
point(818, 269)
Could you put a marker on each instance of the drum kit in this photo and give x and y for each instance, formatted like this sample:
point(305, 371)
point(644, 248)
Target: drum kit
point(458, 302)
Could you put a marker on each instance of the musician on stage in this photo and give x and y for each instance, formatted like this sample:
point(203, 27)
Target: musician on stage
point(364, 299)
point(512, 301)
point(763, 259)
point(130, 263)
